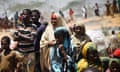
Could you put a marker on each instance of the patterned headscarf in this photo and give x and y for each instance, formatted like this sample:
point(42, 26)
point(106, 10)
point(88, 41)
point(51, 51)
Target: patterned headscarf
point(114, 60)
point(83, 63)
point(88, 45)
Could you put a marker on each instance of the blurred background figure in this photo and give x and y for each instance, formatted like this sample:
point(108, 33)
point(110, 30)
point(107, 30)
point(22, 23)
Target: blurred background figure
point(16, 19)
point(108, 11)
point(61, 13)
point(113, 42)
point(71, 12)
point(119, 5)
point(96, 9)
point(84, 12)
point(114, 6)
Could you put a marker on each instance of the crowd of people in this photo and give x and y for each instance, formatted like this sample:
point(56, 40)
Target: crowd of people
point(55, 47)
point(110, 7)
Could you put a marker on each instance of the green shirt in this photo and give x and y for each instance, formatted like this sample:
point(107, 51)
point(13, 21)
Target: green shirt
point(118, 1)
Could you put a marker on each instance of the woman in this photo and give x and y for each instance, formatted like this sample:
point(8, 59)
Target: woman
point(78, 38)
point(90, 58)
point(48, 41)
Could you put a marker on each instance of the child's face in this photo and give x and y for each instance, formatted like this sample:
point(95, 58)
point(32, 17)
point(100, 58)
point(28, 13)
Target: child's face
point(77, 29)
point(93, 55)
point(60, 39)
point(114, 67)
point(4, 44)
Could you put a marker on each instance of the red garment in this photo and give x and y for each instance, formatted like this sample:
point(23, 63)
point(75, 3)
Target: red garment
point(116, 53)
point(71, 12)
point(20, 17)
point(53, 16)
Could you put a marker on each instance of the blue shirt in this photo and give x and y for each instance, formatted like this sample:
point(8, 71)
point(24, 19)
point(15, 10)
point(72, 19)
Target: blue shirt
point(40, 30)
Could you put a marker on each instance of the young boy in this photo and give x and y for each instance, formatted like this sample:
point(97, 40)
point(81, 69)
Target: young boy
point(8, 58)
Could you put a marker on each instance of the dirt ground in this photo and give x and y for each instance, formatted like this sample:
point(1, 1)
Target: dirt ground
point(98, 22)
point(92, 23)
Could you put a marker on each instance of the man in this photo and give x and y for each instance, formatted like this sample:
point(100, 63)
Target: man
point(40, 29)
point(25, 36)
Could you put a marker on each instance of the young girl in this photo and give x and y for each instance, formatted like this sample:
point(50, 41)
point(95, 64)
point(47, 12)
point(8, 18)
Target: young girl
point(60, 57)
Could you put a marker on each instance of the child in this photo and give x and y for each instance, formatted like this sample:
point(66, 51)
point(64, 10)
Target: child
point(8, 58)
point(114, 65)
point(61, 51)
